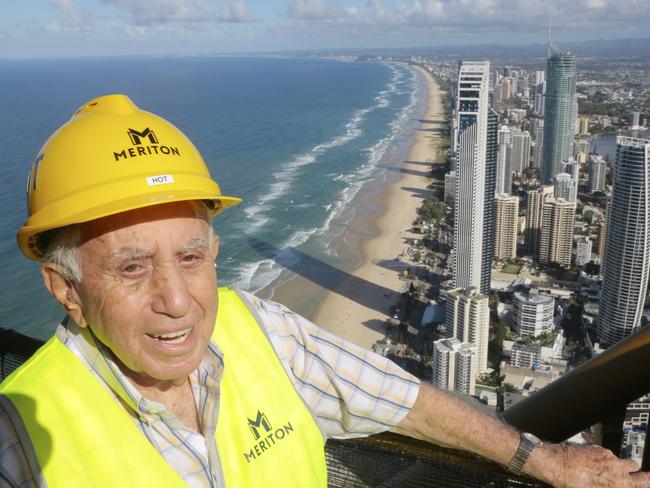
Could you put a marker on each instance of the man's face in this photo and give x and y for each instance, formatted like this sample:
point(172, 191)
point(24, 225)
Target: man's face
point(148, 290)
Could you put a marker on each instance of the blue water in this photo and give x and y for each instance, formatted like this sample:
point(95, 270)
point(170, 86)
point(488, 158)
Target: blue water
point(296, 138)
point(606, 145)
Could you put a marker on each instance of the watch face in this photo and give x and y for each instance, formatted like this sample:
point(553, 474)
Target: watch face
point(531, 437)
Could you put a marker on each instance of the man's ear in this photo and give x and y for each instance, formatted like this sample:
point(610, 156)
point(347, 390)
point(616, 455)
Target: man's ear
point(64, 292)
point(214, 246)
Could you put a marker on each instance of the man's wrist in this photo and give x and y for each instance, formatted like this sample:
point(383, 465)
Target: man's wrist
point(527, 444)
point(546, 463)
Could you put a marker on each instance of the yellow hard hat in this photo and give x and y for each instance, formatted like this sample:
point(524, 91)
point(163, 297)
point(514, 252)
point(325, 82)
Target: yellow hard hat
point(109, 158)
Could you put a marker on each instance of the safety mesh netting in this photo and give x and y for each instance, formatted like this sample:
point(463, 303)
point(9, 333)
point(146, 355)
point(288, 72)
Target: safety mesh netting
point(15, 349)
point(392, 461)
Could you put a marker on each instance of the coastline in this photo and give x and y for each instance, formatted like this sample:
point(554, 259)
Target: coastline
point(355, 311)
point(355, 304)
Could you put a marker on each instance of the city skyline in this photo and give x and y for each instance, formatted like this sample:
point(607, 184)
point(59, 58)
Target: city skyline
point(51, 28)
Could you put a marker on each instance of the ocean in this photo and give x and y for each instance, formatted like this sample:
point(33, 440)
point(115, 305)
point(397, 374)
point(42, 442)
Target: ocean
point(300, 140)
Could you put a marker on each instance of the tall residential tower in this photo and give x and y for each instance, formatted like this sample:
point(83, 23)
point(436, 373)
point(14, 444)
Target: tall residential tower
point(471, 201)
point(559, 111)
point(627, 251)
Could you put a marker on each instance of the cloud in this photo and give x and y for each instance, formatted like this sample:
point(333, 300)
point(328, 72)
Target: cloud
point(160, 12)
point(500, 17)
point(68, 17)
point(151, 12)
point(314, 9)
point(237, 11)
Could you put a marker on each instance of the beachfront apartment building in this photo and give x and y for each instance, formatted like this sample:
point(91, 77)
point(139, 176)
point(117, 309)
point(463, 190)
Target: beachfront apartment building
point(560, 111)
point(471, 200)
point(626, 263)
point(454, 366)
point(467, 318)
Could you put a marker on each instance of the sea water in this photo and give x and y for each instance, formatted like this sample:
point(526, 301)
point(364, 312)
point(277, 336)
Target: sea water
point(297, 139)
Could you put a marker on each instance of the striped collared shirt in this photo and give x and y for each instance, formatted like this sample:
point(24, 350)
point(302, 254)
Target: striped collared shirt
point(350, 392)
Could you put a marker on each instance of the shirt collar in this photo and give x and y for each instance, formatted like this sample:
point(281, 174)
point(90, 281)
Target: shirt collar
point(97, 357)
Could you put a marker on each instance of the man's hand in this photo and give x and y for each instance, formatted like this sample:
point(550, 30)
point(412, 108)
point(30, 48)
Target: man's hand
point(569, 466)
point(446, 420)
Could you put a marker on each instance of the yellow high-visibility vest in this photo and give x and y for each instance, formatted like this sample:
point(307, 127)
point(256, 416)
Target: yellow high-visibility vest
point(82, 437)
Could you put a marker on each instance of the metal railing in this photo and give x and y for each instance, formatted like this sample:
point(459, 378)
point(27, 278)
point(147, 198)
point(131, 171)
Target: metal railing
point(385, 460)
point(597, 391)
point(393, 461)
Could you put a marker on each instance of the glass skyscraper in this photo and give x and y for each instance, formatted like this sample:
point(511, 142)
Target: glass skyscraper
point(560, 111)
point(489, 213)
point(471, 230)
point(627, 250)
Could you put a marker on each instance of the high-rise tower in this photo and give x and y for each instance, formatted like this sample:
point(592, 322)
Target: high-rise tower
point(454, 366)
point(597, 173)
point(504, 161)
point(535, 206)
point(489, 213)
point(627, 251)
point(520, 150)
point(505, 241)
point(467, 318)
point(559, 111)
point(556, 233)
point(471, 161)
point(566, 187)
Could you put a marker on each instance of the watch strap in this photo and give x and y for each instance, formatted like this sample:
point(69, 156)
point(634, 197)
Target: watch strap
point(527, 442)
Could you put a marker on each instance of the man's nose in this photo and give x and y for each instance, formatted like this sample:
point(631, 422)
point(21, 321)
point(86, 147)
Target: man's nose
point(172, 294)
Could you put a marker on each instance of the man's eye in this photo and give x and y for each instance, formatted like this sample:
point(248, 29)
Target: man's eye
point(191, 258)
point(131, 268)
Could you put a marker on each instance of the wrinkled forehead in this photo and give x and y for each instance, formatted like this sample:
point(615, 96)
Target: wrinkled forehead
point(134, 224)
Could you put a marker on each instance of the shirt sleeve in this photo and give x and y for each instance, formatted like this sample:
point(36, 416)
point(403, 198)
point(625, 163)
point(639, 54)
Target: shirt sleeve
point(350, 391)
point(17, 458)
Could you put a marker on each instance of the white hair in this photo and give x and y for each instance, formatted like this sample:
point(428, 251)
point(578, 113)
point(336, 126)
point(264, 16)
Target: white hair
point(61, 246)
point(62, 249)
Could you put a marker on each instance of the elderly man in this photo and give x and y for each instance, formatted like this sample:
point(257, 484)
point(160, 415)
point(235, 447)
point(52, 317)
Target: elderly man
point(145, 384)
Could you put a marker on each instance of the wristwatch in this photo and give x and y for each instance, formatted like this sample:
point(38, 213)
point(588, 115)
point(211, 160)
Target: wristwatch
point(527, 442)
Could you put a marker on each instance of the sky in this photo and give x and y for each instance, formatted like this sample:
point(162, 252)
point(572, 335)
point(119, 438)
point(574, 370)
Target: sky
point(53, 28)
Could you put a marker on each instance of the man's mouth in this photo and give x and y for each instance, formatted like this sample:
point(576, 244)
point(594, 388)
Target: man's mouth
point(173, 337)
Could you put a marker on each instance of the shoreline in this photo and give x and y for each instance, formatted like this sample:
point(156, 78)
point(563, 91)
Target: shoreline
point(355, 304)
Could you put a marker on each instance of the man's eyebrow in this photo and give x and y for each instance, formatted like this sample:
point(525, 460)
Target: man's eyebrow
point(132, 253)
point(197, 243)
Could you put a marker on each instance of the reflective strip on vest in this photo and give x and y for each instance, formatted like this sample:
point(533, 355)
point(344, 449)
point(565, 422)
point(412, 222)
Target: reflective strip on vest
point(265, 434)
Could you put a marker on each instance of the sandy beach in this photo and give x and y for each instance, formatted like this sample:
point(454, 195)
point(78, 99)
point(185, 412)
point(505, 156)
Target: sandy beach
point(356, 305)
point(356, 309)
